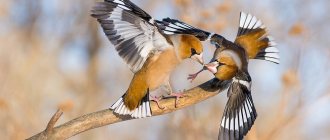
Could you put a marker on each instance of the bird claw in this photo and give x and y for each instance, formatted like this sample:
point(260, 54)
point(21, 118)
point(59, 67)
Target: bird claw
point(157, 99)
point(177, 96)
point(192, 77)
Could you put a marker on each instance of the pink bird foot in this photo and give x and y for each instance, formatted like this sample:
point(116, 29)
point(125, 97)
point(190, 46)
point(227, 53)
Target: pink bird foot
point(177, 96)
point(157, 99)
point(192, 77)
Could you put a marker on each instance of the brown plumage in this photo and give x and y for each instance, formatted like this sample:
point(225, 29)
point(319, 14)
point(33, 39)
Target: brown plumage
point(154, 73)
point(150, 53)
point(230, 58)
point(230, 63)
point(228, 68)
point(137, 90)
point(226, 72)
point(187, 43)
point(251, 42)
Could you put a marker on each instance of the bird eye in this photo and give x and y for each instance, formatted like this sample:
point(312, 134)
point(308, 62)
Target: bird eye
point(193, 51)
point(220, 63)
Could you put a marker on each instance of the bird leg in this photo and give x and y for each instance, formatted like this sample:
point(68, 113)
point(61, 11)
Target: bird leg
point(157, 99)
point(172, 94)
point(169, 87)
point(177, 96)
point(192, 77)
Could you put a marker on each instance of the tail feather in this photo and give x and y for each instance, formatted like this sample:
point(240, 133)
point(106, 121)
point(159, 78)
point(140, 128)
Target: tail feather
point(270, 53)
point(142, 111)
point(274, 60)
point(266, 50)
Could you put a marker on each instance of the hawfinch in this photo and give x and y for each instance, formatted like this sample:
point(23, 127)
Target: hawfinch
point(149, 53)
point(230, 62)
point(252, 35)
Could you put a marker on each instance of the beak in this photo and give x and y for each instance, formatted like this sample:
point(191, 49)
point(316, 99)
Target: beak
point(198, 58)
point(212, 67)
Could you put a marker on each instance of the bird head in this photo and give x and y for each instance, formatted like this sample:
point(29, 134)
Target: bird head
point(224, 64)
point(217, 40)
point(191, 47)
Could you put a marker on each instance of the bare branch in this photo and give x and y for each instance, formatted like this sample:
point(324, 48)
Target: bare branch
point(106, 117)
point(53, 121)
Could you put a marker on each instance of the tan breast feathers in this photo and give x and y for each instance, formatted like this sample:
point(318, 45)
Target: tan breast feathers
point(160, 67)
point(226, 72)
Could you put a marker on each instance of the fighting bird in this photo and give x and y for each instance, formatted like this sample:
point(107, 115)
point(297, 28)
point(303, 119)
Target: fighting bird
point(230, 62)
point(149, 53)
point(252, 35)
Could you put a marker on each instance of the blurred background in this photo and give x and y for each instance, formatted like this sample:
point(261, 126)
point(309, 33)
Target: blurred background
point(53, 55)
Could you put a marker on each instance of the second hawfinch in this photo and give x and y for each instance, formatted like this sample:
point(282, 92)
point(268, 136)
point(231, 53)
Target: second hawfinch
point(252, 35)
point(149, 53)
point(230, 62)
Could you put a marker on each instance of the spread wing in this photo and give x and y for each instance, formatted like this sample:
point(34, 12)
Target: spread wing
point(239, 114)
point(253, 37)
point(174, 26)
point(130, 30)
point(130, 6)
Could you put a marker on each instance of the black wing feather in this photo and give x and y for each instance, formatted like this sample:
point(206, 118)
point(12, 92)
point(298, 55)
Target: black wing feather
point(174, 26)
point(130, 30)
point(239, 114)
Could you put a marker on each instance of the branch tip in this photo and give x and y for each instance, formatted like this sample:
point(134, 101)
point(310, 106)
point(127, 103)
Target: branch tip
point(53, 120)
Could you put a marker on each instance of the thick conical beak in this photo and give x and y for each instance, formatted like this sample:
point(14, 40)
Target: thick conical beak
point(198, 58)
point(212, 67)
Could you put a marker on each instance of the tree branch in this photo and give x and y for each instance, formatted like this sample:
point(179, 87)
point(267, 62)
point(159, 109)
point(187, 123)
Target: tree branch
point(107, 116)
point(53, 121)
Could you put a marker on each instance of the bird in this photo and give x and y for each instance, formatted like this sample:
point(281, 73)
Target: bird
point(252, 34)
point(230, 63)
point(149, 53)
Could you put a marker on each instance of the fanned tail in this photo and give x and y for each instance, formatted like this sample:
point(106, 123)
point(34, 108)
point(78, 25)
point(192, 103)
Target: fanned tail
point(253, 36)
point(142, 111)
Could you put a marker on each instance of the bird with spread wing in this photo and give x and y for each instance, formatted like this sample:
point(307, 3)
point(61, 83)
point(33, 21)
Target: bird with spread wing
point(150, 53)
point(230, 62)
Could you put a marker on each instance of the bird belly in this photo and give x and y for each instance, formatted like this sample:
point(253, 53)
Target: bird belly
point(161, 67)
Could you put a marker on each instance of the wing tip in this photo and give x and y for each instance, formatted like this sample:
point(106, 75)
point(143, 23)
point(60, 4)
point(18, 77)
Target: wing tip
point(247, 22)
point(237, 120)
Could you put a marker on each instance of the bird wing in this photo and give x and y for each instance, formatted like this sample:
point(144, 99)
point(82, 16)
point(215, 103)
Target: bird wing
point(130, 30)
point(253, 37)
point(173, 26)
point(240, 113)
point(128, 5)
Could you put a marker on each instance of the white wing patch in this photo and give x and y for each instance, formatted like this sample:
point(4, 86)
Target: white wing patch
point(133, 37)
point(174, 27)
point(249, 23)
point(240, 122)
point(242, 82)
point(240, 113)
